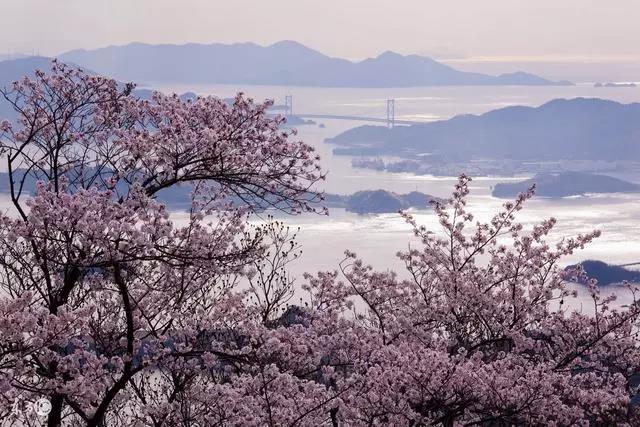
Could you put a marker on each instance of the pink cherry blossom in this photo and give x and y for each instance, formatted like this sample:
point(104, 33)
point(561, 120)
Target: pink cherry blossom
point(119, 316)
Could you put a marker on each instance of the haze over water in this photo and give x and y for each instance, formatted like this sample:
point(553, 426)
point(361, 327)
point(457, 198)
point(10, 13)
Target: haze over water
point(421, 104)
point(377, 238)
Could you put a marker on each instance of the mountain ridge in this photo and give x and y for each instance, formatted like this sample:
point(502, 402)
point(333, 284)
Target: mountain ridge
point(566, 184)
point(15, 69)
point(286, 63)
point(578, 128)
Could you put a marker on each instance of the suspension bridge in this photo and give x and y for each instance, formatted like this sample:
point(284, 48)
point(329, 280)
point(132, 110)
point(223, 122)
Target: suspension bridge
point(390, 118)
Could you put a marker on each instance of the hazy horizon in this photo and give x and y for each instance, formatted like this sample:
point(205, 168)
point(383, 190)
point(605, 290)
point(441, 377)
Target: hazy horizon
point(485, 35)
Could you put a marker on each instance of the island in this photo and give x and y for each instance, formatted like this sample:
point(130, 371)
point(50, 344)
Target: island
point(566, 184)
point(379, 201)
point(589, 130)
point(605, 274)
point(613, 84)
point(293, 120)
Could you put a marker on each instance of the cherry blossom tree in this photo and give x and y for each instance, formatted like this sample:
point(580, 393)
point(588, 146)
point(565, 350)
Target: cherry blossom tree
point(98, 283)
point(118, 315)
point(470, 336)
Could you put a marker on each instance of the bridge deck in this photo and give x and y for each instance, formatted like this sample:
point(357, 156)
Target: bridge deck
point(358, 118)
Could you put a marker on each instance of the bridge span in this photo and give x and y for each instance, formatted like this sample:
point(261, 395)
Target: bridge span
point(390, 120)
point(358, 118)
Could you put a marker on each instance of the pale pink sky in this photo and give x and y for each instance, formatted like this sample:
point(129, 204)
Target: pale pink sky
point(345, 28)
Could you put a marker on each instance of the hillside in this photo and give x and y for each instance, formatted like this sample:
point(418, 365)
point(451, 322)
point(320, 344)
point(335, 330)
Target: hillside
point(566, 184)
point(14, 69)
point(607, 274)
point(284, 63)
point(580, 128)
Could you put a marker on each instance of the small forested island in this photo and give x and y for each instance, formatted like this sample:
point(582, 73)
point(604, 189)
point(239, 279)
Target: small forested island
point(379, 201)
point(439, 166)
point(297, 121)
point(566, 184)
point(605, 274)
point(612, 84)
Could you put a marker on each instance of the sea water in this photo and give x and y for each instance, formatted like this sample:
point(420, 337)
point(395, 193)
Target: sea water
point(377, 238)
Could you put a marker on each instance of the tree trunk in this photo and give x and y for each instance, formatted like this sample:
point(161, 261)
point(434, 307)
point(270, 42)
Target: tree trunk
point(55, 416)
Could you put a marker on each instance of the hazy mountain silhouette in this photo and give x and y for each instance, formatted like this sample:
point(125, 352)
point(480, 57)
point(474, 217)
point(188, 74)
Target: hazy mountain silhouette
point(566, 184)
point(606, 274)
point(10, 56)
point(580, 128)
point(283, 63)
point(14, 69)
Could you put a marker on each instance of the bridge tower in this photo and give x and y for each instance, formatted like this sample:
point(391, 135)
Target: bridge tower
point(288, 105)
point(391, 113)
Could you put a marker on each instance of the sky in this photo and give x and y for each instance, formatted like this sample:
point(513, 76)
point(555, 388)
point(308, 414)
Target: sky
point(479, 32)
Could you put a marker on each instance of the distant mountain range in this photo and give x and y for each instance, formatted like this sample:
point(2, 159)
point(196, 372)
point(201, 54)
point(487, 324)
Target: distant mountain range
point(9, 56)
point(285, 63)
point(580, 128)
point(12, 70)
point(15, 69)
point(566, 184)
